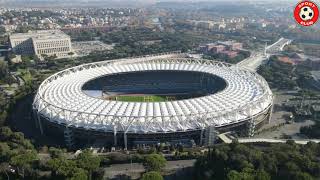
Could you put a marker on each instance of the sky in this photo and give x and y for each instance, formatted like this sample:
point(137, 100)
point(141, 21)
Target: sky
point(138, 0)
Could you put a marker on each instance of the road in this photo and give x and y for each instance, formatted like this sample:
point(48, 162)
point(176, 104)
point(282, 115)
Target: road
point(228, 140)
point(278, 46)
point(254, 61)
point(251, 140)
point(257, 58)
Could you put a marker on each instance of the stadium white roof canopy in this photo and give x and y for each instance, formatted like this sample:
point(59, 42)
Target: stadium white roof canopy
point(60, 99)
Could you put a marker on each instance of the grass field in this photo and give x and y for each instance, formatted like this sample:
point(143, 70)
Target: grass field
point(140, 98)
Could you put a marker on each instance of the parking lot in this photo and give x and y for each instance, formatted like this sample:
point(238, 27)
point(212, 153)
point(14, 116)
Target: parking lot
point(83, 48)
point(279, 127)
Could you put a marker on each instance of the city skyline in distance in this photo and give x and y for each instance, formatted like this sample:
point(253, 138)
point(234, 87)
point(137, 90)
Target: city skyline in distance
point(112, 3)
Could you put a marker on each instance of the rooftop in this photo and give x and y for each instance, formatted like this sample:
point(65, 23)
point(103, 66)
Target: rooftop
point(227, 43)
point(63, 91)
point(40, 35)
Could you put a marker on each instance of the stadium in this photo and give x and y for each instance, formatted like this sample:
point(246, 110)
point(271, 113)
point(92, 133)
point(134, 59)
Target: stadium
point(152, 99)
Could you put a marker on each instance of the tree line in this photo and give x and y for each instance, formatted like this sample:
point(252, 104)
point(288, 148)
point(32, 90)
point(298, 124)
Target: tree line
point(236, 161)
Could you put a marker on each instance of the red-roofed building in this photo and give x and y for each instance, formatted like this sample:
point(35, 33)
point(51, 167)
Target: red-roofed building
point(217, 49)
point(286, 60)
point(230, 54)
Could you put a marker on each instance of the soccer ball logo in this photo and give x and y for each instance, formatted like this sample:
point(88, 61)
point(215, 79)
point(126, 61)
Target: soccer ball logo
point(306, 13)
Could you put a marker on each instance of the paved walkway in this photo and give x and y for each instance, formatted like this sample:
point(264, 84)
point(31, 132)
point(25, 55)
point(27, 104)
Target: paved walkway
point(253, 62)
point(136, 169)
point(257, 58)
point(227, 140)
point(305, 141)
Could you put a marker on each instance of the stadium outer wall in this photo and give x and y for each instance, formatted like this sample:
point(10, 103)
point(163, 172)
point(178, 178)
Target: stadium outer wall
point(81, 137)
point(202, 137)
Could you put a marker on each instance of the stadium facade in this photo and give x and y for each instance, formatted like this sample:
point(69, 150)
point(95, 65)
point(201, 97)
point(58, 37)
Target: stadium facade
point(224, 98)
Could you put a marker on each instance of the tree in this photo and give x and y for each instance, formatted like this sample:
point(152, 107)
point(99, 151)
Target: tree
point(2, 30)
point(78, 174)
point(26, 59)
point(5, 133)
point(303, 176)
point(3, 69)
point(154, 162)
point(5, 167)
point(246, 162)
point(18, 137)
point(234, 175)
point(23, 161)
point(88, 162)
point(3, 115)
point(62, 168)
point(262, 175)
point(152, 175)
point(55, 152)
point(4, 152)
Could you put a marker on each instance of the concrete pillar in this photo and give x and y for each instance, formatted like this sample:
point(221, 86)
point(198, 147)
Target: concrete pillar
point(125, 141)
point(201, 137)
point(39, 123)
point(210, 135)
point(115, 137)
point(251, 127)
point(270, 114)
point(68, 137)
point(35, 118)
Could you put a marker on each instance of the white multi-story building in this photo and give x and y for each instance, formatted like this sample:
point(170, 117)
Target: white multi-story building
point(40, 43)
